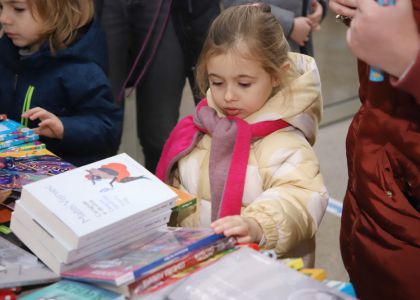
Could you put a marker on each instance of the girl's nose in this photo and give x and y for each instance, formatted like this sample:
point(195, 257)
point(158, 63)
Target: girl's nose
point(229, 95)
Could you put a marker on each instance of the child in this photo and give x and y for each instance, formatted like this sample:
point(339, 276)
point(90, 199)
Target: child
point(248, 146)
point(52, 77)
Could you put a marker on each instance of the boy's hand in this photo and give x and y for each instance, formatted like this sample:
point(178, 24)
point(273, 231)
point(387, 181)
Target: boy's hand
point(246, 230)
point(50, 125)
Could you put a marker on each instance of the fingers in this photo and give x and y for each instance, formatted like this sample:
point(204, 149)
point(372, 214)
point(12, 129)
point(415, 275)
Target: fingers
point(344, 7)
point(36, 113)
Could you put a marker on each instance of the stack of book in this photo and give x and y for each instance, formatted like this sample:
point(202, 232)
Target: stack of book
point(67, 219)
point(14, 135)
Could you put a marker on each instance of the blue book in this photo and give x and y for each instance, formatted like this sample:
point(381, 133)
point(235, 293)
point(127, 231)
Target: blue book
point(8, 126)
point(72, 290)
point(134, 262)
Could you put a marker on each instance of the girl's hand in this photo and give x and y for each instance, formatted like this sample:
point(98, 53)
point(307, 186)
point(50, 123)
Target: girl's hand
point(301, 29)
point(316, 15)
point(246, 230)
point(50, 125)
point(344, 7)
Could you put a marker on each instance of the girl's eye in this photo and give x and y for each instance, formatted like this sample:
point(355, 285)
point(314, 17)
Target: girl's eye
point(19, 9)
point(244, 85)
point(216, 83)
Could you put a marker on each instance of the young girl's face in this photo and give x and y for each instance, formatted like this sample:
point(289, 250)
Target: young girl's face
point(239, 85)
point(19, 24)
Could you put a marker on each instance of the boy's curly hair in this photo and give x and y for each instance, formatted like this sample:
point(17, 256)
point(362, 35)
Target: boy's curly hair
point(61, 19)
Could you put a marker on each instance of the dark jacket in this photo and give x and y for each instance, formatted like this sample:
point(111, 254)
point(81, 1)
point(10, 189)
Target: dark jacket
point(380, 228)
point(73, 86)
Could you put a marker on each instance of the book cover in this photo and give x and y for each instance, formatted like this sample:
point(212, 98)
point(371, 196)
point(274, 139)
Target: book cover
point(46, 255)
point(140, 261)
point(121, 235)
point(84, 203)
point(19, 267)
point(16, 134)
point(19, 140)
point(174, 267)
point(8, 126)
point(16, 171)
point(72, 290)
point(30, 146)
point(183, 200)
point(248, 274)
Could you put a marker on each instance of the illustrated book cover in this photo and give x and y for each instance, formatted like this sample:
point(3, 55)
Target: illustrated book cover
point(82, 205)
point(72, 290)
point(138, 262)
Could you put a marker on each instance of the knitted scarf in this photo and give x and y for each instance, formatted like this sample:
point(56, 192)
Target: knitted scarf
point(229, 153)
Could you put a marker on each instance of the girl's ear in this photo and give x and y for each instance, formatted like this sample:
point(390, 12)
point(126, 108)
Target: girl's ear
point(277, 80)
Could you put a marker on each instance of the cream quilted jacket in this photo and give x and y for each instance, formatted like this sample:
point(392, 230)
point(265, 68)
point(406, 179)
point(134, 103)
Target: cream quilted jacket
point(284, 190)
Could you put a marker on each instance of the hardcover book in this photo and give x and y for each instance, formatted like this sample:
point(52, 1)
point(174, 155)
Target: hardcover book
point(138, 262)
point(19, 140)
point(82, 205)
point(248, 274)
point(8, 126)
point(71, 290)
point(16, 134)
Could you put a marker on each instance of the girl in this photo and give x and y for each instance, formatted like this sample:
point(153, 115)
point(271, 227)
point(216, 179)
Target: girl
point(246, 153)
point(52, 77)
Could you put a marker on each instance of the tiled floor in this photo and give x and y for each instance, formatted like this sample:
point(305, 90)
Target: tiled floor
point(339, 80)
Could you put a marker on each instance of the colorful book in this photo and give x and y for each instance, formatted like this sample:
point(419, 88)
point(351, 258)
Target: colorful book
point(86, 204)
point(19, 140)
point(18, 169)
point(166, 271)
point(248, 274)
point(139, 262)
point(16, 134)
point(184, 200)
point(8, 126)
point(30, 146)
point(71, 290)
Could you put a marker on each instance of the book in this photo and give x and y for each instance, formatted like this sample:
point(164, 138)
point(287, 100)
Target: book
point(20, 132)
point(72, 290)
point(165, 271)
point(19, 140)
point(83, 205)
point(23, 167)
point(20, 268)
point(8, 126)
point(26, 235)
point(183, 201)
point(138, 262)
point(248, 274)
point(66, 254)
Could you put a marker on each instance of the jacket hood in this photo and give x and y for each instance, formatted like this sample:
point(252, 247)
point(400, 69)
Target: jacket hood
point(87, 48)
point(299, 104)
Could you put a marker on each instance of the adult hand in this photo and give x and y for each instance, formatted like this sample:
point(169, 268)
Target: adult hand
point(385, 37)
point(301, 29)
point(344, 7)
point(246, 230)
point(316, 15)
point(50, 125)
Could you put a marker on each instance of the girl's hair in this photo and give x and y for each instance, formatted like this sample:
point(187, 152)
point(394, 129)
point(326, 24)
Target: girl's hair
point(252, 24)
point(61, 19)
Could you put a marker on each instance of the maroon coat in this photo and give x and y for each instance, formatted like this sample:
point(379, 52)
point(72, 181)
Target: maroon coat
point(380, 228)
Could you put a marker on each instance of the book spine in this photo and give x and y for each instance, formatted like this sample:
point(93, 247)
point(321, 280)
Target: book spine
point(181, 264)
point(177, 254)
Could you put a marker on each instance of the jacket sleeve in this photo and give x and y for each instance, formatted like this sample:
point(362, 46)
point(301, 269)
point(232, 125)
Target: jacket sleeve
point(294, 199)
point(92, 122)
point(410, 82)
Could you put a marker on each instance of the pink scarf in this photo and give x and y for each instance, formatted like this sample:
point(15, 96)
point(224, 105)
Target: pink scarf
point(229, 153)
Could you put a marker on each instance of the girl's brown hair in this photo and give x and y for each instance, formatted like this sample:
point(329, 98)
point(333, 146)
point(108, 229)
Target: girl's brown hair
point(252, 24)
point(61, 19)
